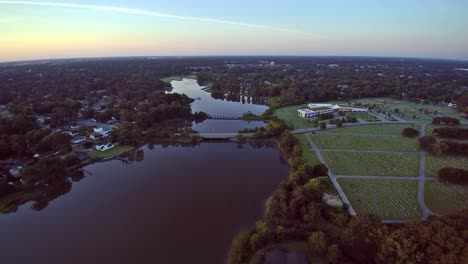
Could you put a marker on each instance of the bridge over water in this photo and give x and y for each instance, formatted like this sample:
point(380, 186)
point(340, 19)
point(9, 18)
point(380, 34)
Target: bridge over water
point(220, 117)
point(221, 135)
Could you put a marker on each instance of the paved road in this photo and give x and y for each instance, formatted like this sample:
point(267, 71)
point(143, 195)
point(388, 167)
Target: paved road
point(357, 134)
point(363, 150)
point(384, 177)
point(332, 177)
point(422, 169)
point(315, 129)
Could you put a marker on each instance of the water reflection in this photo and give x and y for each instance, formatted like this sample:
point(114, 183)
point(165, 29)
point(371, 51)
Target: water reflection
point(170, 204)
point(218, 104)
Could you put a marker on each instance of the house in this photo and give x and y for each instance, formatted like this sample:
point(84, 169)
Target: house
point(102, 131)
point(78, 140)
point(105, 147)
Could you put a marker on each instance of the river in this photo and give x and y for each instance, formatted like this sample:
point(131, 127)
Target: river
point(228, 106)
point(175, 205)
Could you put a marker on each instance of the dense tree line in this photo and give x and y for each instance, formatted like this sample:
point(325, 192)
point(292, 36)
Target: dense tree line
point(451, 132)
point(432, 145)
point(296, 80)
point(454, 175)
point(446, 120)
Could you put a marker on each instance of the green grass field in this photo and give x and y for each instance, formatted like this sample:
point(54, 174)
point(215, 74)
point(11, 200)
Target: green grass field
point(410, 110)
point(289, 115)
point(117, 150)
point(386, 198)
point(308, 154)
point(435, 163)
point(443, 198)
point(391, 129)
point(373, 164)
point(364, 142)
point(303, 141)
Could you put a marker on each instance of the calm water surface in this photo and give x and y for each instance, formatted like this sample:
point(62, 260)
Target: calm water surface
point(178, 205)
point(218, 107)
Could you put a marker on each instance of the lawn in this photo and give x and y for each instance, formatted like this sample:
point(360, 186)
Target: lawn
point(364, 142)
point(435, 163)
point(373, 164)
point(411, 111)
point(303, 141)
point(117, 150)
point(289, 115)
point(310, 157)
point(386, 198)
point(308, 154)
point(391, 129)
point(443, 198)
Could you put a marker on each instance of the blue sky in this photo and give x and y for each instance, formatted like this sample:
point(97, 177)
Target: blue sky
point(84, 28)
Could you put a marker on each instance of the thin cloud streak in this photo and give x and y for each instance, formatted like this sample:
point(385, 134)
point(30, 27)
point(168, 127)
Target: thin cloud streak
point(134, 11)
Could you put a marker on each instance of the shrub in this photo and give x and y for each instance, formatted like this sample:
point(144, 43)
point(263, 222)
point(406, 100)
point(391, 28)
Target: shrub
point(410, 132)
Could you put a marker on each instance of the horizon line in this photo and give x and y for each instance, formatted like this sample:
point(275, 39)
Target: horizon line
point(227, 56)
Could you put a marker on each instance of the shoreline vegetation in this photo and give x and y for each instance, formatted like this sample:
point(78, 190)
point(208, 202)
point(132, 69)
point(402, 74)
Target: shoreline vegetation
point(178, 78)
point(329, 234)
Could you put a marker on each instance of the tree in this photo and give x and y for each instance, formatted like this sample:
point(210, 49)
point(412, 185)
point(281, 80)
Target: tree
point(427, 142)
point(339, 123)
point(240, 249)
point(323, 125)
point(334, 254)
point(318, 243)
point(410, 132)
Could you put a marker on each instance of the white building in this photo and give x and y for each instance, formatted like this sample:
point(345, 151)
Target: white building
point(315, 110)
point(306, 113)
point(105, 147)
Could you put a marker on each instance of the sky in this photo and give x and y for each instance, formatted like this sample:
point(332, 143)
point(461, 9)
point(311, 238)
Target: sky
point(86, 28)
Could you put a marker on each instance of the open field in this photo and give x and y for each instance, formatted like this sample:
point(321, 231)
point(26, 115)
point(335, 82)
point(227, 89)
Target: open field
point(289, 115)
point(373, 164)
point(389, 199)
point(364, 142)
point(390, 129)
point(443, 198)
point(117, 150)
point(435, 163)
point(411, 111)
